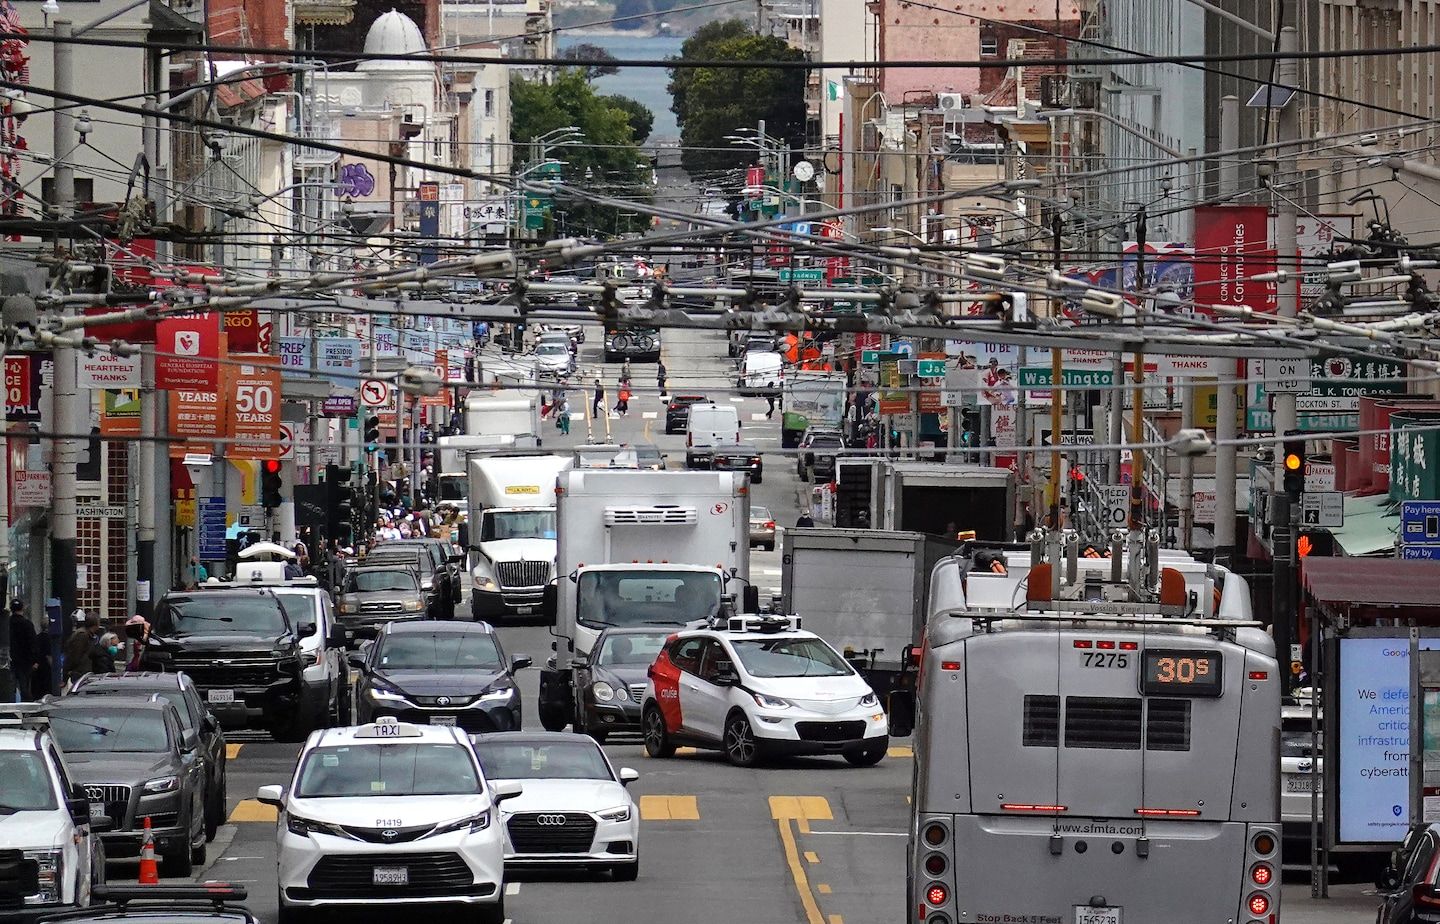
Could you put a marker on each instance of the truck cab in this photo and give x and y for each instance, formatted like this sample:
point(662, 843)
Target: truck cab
point(512, 533)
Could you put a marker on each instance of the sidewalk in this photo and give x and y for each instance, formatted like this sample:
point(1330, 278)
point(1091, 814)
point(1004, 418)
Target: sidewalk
point(1347, 904)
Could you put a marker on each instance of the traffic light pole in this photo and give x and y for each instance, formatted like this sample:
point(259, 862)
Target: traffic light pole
point(1285, 517)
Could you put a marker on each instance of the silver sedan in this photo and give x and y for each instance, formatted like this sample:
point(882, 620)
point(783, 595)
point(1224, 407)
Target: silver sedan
point(762, 528)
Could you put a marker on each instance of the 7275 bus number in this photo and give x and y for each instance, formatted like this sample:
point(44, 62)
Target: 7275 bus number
point(1117, 659)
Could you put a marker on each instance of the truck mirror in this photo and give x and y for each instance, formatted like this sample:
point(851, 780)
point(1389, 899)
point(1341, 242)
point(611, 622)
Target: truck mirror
point(750, 599)
point(548, 598)
point(901, 708)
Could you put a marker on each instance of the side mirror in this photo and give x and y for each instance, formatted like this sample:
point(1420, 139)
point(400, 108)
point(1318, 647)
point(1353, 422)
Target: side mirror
point(727, 679)
point(506, 790)
point(210, 723)
point(271, 795)
point(79, 808)
point(520, 662)
point(549, 597)
point(191, 740)
point(628, 776)
point(338, 638)
point(355, 659)
point(580, 662)
point(456, 559)
point(306, 629)
point(901, 708)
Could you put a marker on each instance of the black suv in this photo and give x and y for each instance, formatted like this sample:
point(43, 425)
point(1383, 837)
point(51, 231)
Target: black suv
point(242, 649)
point(179, 690)
point(434, 580)
point(677, 412)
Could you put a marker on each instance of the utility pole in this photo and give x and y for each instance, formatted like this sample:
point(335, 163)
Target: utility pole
point(1137, 420)
point(147, 582)
point(1057, 386)
point(69, 419)
point(1227, 405)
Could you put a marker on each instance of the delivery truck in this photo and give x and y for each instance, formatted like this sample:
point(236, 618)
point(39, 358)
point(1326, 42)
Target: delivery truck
point(511, 532)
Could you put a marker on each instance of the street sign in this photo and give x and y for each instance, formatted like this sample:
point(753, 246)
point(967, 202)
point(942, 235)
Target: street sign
point(1431, 552)
point(802, 275)
point(286, 449)
point(1419, 523)
point(374, 393)
point(1117, 504)
point(338, 406)
point(1325, 509)
point(1039, 377)
point(212, 528)
point(930, 368)
point(30, 489)
point(1287, 376)
point(869, 357)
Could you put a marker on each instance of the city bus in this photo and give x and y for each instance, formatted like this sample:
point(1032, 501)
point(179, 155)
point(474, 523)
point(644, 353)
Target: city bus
point(1096, 742)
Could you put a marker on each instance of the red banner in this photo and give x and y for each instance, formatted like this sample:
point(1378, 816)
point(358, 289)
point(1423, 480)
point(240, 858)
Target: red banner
point(187, 348)
point(242, 330)
point(1232, 247)
point(195, 414)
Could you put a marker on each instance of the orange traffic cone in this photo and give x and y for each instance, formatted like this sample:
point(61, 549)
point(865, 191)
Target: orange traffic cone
point(149, 871)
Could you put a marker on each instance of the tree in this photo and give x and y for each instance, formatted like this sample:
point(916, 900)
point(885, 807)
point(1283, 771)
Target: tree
point(642, 120)
point(588, 52)
point(710, 102)
point(608, 148)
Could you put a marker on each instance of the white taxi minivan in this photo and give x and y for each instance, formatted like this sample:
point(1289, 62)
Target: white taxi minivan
point(710, 425)
point(391, 814)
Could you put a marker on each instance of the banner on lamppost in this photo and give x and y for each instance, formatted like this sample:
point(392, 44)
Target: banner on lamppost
point(187, 350)
point(429, 221)
point(1232, 247)
point(252, 416)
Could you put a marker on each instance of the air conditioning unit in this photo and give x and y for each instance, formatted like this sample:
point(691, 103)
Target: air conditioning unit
point(950, 102)
point(1054, 91)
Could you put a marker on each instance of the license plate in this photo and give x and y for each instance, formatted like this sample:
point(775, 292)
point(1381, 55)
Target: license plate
point(391, 875)
point(220, 696)
point(1299, 784)
point(1084, 914)
point(97, 809)
point(524, 610)
point(442, 720)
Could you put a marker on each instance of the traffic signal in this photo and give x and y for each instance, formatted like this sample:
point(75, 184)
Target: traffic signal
point(372, 433)
point(1292, 462)
point(270, 484)
point(339, 502)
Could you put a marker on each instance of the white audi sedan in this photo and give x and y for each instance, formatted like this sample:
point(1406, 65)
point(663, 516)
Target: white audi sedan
point(390, 813)
point(574, 811)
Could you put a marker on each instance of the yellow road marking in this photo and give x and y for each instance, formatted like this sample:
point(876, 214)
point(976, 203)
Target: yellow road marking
point(669, 808)
point(686, 752)
point(648, 424)
point(823, 889)
point(900, 751)
point(836, 919)
point(251, 810)
point(232, 751)
point(797, 872)
point(812, 857)
point(803, 809)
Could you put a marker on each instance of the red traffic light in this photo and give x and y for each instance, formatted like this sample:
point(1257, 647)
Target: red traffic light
point(272, 466)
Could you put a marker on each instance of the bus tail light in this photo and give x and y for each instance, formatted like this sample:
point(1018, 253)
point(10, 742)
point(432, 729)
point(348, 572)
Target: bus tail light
point(936, 864)
point(1259, 903)
point(936, 893)
point(949, 665)
point(1129, 646)
point(1027, 807)
point(935, 835)
point(1166, 813)
point(1083, 643)
point(1259, 675)
point(1105, 646)
point(1262, 874)
point(1264, 843)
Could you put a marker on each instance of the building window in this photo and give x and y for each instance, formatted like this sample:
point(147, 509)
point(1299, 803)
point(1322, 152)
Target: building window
point(489, 104)
point(989, 44)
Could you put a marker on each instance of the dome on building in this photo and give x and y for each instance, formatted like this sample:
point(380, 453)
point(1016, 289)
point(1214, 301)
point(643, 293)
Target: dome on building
point(393, 33)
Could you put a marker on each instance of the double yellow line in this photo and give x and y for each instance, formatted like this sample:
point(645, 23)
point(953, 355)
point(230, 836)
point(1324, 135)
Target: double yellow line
point(796, 812)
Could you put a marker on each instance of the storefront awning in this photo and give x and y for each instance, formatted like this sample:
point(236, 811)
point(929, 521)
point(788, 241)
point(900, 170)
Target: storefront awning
point(1370, 527)
point(1375, 581)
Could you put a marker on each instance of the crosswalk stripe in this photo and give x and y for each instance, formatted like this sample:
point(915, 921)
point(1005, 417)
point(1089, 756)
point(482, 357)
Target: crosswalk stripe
point(232, 751)
point(252, 810)
point(669, 808)
point(650, 415)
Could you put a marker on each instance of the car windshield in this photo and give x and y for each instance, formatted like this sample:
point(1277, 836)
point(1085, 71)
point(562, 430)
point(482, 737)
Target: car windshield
point(305, 606)
point(439, 651)
point(826, 441)
point(517, 524)
point(790, 657)
point(27, 783)
point(366, 582)
point(551, 349)
point(410, 558)
point(592, 458)
point(647, 598)
point(531, 760)
point(387, 770)
point(176, 698)
point(258, 614)
point(760, 513)
point(630, 649)
point(82, 731)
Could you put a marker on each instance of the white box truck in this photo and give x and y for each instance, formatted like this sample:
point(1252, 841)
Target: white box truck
point(514, 414)
point(640, 548)
point(511, 532)
point(452, 472)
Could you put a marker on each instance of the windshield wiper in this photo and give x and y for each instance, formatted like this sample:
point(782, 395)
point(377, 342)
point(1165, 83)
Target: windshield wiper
point(206, 618)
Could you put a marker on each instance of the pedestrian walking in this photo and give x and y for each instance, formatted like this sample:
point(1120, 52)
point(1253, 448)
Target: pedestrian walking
point(599, 401)
point(24, 649)
point(622, 406)
point(84, 637)
point(804, 522)
point(770, 399)
point(562, 416)
point(660, 375)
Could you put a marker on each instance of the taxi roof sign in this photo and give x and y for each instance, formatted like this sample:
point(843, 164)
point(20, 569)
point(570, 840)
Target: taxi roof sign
point(387, 726)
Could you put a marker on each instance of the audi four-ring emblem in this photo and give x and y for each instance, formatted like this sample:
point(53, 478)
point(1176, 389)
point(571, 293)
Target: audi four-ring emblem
point(550, 821)
point(95, 793)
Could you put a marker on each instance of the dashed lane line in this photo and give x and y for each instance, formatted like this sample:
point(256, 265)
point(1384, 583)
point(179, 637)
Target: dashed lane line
point(812, 857)
point(822, 888)
point(253, 810)
point(512, 888)
point(669, 808)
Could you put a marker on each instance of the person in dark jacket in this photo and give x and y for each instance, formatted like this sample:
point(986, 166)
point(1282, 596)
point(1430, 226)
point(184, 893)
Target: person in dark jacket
point(24, 649)
point(83, 639)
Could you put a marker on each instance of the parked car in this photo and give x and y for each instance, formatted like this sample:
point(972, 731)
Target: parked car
point(179, 690)
point(374, 596)
point(1409, 886)
point(812, 462)
point(136, 761)
point(677, 412)
point(762, 528)
point(439, 673)
point(739, 457)
point(1300, 770)
point(610, 682)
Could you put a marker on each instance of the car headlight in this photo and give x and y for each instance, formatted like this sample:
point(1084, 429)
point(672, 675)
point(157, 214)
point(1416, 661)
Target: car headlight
point(486, 583)
point(621, 694)
point(163, 784)
point(473, 823)
point(413, 606)
point(869, 699)
point(347, 607)
point(770, 702)
point(603, 691)
point(622, 813)
point(306, 827)
point(51, 868)
point(385, 693)
point(495, 693)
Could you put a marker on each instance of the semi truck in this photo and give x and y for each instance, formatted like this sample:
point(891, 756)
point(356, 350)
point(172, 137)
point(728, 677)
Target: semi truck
point(810, 399)
point(511, 532)
point(640, 548)
point(451, 470)
point(864, 592)
point(940, 499)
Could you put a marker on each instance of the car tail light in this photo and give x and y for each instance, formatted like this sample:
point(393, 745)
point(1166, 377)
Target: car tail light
point(1259, 903)
point(936, 893)
point(1425, 895)
point(1262, 874)
point(769, 524)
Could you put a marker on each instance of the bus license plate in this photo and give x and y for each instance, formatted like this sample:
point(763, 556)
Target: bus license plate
point(442, 720)
point(220, 696)
point(391, 875)
point(1084, 914)
point(1102, 659)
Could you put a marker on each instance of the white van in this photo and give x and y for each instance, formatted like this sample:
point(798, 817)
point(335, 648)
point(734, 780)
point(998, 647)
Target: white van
point(710, 425)
point(761, 373)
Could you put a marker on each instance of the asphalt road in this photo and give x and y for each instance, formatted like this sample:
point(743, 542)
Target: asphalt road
point(811, 841)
